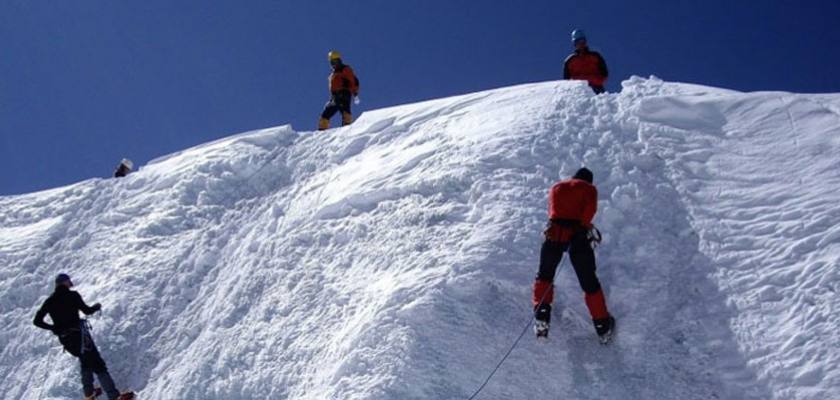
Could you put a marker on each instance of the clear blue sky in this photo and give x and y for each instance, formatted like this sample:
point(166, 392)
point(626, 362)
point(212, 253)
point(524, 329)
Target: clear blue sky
point(85, 83)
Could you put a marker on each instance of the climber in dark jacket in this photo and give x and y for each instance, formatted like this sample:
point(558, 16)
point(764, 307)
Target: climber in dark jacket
point(124, 168)
point(63, 307)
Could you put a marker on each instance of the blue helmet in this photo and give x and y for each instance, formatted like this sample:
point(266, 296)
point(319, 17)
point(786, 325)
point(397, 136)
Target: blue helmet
point(62, 279)
point(578, 34)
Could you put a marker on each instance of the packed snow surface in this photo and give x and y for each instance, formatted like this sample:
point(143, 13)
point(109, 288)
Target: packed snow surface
point(393, 259)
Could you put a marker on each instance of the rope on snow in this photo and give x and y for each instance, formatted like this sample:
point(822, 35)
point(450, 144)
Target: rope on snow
point(510, 350)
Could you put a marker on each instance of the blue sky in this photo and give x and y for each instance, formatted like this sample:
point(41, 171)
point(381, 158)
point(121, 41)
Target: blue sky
point(85, 83)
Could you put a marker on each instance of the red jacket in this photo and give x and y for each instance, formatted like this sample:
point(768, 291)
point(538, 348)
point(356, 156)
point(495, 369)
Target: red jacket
point(573, 199)
point(343, 78)
point(586, 65)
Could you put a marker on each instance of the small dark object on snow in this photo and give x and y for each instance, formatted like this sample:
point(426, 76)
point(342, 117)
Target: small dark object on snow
point(124, 168)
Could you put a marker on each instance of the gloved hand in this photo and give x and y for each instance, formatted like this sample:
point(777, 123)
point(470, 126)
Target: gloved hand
point(356, 99)
point(553, 232)
point(96, 307)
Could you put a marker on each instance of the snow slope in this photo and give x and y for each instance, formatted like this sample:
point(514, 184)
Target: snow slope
point(393, 259)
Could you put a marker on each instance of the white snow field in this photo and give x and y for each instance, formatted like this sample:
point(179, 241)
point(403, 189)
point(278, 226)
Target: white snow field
point(393, 259)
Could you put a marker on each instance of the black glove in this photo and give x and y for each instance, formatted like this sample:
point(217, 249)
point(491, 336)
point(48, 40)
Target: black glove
point(96, 307)
point(552, 232)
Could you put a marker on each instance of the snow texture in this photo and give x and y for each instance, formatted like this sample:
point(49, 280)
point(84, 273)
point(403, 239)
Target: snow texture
point(393, 259)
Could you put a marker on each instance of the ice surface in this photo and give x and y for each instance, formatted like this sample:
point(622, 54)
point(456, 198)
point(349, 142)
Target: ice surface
point(392, 259)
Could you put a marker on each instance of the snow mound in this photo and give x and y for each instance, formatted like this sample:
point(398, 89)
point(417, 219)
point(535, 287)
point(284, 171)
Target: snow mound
point(392, 259)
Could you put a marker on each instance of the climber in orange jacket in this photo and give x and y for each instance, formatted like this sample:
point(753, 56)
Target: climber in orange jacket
point(585, 64)
point(572, 204)
point(344, 87)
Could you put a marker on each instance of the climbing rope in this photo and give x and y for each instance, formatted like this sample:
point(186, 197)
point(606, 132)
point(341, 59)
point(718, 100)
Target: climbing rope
point(272, 156)
point(235, 189)
point(510, 350)
point(87, 340)
point(499, 365)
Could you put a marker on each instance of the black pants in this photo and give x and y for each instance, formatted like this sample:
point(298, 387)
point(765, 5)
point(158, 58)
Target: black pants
point(339, 101)
point(581, 255)
point(79, 343)
point(81, 346)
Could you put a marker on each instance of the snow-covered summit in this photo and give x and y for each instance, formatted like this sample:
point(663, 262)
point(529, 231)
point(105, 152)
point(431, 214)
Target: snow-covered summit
point(392, 259)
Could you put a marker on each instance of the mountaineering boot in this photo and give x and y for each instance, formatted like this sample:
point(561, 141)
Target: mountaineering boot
point(597, 305)
point(604, 328)
point(323, 124)
point(542, 315)
point(346, 118)
point(96, 393)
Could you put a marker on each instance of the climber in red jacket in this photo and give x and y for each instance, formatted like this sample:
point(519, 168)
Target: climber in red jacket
point(585, 64)
point(572, 204)
point(344, 88)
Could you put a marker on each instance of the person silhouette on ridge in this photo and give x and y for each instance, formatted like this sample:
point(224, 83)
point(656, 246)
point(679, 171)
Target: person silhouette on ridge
point(344, 88)
point(585, 64)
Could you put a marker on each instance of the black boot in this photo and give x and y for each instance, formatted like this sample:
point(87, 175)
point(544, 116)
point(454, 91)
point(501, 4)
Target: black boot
point(604, 328)
point(542, 314)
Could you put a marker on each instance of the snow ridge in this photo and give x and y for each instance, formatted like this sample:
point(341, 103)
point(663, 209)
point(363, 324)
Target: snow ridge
point(393, 258)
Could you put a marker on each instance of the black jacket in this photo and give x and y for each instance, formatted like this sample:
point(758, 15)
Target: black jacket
point(63, 306)
point(121, 171)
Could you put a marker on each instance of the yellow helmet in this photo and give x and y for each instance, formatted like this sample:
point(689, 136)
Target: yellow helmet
point(333, 55)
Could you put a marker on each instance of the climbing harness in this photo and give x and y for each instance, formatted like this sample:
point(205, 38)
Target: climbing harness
point(87, 341)
point(594, 237)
